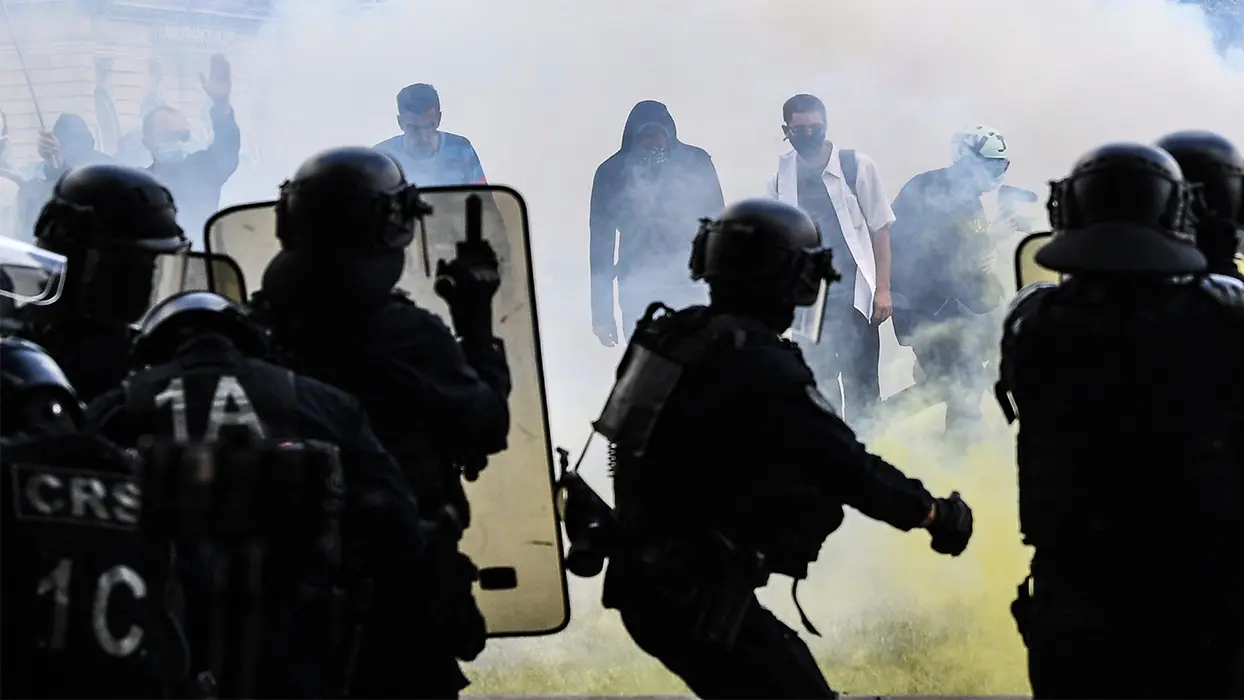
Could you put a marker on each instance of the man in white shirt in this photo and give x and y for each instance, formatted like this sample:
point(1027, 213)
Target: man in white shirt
point(855, 221)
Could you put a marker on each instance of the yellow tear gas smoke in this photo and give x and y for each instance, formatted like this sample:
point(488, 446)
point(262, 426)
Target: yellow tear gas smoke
point(896, 618)
point(542, 88)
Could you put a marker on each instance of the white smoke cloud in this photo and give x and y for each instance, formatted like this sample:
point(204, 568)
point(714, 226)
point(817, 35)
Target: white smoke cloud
point(543, 87)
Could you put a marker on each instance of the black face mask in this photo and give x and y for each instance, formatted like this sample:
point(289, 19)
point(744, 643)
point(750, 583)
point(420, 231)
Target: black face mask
point(807, 140)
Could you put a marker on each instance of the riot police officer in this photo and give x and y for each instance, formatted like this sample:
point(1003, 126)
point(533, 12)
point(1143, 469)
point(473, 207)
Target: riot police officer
point(731, 466)
point(438, 404)
point(1213, 163)
point(1124, 379)
point(202, 377)
point(113, 224)
point(81, 609)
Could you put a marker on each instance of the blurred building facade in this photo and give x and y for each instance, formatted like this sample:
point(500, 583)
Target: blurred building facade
point(169, 41)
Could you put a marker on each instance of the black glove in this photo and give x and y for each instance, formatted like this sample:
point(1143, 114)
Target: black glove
point(467, 284)
point(952, 526)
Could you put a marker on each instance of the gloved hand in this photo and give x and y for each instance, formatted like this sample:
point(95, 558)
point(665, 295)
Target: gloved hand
point(468, 284)
point(952, 526)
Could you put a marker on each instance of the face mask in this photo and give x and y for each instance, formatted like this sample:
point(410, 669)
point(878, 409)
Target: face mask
point(654, 156)
point(169, 152)
point(807, 140)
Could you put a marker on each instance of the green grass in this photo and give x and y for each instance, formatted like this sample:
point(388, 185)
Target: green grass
point(897, 618)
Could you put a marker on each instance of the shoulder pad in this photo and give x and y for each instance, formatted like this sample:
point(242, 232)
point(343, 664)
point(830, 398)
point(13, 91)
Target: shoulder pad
point(1024, 303)
point(1223, 289)
point(1027, 298)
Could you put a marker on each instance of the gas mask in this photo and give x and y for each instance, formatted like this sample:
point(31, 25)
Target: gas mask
point(806, 140)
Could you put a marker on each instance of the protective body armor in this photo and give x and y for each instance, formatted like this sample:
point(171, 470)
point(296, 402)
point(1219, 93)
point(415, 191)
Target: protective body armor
point(1126, 399)
point(315, 350)
point(668, 482)
point(211, 395)
point(258, 538)
point(83, 591)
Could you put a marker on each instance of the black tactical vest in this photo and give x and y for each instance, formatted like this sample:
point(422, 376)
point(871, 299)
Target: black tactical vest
point(1130, 414)
point(213, 394)
point(657, 492)
point(83, 590)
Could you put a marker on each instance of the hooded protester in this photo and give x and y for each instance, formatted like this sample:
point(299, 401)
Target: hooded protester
point(70, 144)
point(647, 199)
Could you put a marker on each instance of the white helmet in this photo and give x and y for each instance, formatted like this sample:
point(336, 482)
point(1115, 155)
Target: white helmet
point(980, 141)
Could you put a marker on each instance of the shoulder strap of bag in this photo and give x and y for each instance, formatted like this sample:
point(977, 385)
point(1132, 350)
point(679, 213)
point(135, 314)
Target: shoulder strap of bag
point(850, 168)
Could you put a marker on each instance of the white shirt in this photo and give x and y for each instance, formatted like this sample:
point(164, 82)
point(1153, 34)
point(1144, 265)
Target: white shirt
point(859, 218)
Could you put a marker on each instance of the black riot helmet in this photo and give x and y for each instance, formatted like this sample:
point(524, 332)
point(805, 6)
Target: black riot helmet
point(111, 223)
point(1122, 210)
point(185, 316)
point(350, 199)
point(764, 250)
point(35, 395)
point(1213, 165)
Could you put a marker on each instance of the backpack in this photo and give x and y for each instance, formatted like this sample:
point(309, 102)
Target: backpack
point(850, 169)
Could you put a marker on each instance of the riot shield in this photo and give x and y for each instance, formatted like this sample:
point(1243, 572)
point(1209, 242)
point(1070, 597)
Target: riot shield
point(514, 537)
point(30, 274)
point(1027, 269)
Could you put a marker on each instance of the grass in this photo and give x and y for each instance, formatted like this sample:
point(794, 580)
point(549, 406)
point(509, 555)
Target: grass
point(897, 618)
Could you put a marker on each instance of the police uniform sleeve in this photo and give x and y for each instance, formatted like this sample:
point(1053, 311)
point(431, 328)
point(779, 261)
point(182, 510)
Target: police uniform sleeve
point(466, 386)
point(1022, 307)
point(377, 493)
point(861, 479)
point(803, 424)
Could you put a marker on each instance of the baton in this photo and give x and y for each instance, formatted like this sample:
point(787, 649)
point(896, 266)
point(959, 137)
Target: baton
point(21, 61)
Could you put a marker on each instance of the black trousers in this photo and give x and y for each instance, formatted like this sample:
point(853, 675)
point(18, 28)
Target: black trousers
point(769, 660)
point(850, 348)
point(951, 355)
point(1081, 647)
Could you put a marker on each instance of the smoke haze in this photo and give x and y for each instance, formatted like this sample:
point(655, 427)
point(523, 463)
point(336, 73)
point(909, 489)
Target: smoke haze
point(542, 88)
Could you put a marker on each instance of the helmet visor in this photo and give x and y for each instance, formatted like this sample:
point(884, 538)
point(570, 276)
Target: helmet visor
point(173, 273)
point(29, 274)
point(811, 286)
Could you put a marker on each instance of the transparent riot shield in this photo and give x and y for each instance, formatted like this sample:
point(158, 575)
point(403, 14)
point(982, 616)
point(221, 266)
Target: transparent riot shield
point(514, 537)
point(1027, 269)
point(30, 274)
